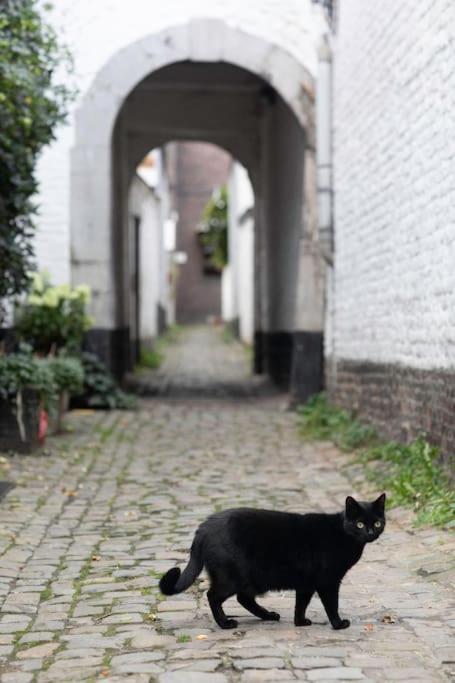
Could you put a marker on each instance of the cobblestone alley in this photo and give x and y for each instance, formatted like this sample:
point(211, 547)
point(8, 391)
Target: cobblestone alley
point(93, 523)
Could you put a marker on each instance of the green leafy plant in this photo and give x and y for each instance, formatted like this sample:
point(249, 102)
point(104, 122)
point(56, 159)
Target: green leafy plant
point(213, 230)
point(411, 473)
point(321, 421)
point(150, 358)
point(100, 388)
point(21, 370)
point(32, 104)
point(68, 374)
point(54, 318)
point(414, 478)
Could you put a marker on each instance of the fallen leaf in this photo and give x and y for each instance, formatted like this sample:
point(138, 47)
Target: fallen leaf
point(388, 619)
point(95, 558)
point(202, 636)
point(368, 627)
point(151, 616)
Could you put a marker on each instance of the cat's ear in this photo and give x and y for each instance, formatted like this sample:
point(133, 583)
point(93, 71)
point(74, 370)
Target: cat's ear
point(379, 503)
point(352, 507)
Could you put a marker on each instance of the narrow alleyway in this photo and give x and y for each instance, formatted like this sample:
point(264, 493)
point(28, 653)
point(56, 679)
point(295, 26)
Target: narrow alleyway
point(92, 524)
point(199, 366)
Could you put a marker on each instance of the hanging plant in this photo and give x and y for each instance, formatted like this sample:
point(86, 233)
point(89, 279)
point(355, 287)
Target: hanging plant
point(213, 231)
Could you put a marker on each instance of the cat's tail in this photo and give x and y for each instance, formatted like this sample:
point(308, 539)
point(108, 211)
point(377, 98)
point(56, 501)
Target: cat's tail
point(176, 582)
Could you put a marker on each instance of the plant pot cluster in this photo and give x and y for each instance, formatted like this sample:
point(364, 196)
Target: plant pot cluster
point(38, 377)
point(34, 396)
point(47, 372)
point(19, 424)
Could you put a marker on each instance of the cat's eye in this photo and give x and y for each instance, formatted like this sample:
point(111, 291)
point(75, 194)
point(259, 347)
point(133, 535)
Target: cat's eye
point(360, 525)
point(378, 524)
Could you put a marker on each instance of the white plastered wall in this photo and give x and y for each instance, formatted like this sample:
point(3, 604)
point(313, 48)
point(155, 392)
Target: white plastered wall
point(394, 155)
point(240, 276)
point(144, 204)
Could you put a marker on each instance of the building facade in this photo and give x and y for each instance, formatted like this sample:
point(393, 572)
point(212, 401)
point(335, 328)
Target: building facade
point(390, 335)
point(373, 283)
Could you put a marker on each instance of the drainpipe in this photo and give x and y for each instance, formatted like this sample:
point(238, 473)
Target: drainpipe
point(324, 149)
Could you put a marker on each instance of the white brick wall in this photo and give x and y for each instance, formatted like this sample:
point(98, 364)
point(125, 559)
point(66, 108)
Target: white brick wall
point(96, 29)
point(395, 182)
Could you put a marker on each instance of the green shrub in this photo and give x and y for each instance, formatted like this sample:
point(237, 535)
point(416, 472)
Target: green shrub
point(68, 374)
point(32, 104)
point(20, 371)
point(54, 318)
point(100, 388)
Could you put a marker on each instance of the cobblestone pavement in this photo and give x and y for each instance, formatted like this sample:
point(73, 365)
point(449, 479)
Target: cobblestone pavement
point(92, 524)
point(199, 366)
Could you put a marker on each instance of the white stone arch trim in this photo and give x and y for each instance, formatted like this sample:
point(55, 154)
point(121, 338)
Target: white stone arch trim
point(202, 40)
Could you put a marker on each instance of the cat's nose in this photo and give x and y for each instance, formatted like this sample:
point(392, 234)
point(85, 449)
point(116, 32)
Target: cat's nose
point(370, 532)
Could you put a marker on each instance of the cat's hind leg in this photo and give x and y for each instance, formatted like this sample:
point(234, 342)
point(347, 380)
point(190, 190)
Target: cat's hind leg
point(250, 604)
point(216, 599)
point(302, 600)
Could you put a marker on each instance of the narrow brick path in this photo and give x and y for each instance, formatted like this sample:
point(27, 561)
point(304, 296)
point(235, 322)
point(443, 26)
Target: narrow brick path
point(92, 524)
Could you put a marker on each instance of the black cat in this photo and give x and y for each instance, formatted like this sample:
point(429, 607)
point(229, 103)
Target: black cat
point(248, 552)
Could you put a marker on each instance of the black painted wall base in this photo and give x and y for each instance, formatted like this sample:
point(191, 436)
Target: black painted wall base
point(307, 372)
point(293, 360)
point(277, 348)
point(113, 347)
point(258, 353)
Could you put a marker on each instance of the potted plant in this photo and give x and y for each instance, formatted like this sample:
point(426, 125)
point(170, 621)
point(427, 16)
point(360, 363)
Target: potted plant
point(100, 388)
point(26, 385)
point(53, 318)
point(68, 375)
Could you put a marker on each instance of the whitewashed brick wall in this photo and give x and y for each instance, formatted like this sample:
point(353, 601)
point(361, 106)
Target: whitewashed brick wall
point(394, 124)
point(95, 30)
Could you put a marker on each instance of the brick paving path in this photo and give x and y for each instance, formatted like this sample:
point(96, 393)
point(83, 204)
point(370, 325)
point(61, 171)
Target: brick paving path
point(93, 523)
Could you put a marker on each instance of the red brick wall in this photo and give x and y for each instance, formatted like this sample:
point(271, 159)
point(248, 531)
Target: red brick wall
point(401, 402)
point(197, 169)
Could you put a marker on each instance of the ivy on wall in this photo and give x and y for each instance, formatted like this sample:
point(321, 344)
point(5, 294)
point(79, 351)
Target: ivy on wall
point(32, 104)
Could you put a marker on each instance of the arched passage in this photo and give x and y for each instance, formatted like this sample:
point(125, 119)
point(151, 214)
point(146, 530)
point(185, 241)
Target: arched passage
point(256, 101)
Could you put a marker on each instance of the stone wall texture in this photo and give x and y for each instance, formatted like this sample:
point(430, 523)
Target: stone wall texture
point(391, 331)
point(394, 147)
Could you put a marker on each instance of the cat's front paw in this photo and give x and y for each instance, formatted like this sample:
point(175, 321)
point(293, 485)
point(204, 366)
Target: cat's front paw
point(302, 622)
point(272, 616)
point(229, 623)
point(342, 623)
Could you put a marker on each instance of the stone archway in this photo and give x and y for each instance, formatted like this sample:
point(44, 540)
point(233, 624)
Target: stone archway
point(281, 153)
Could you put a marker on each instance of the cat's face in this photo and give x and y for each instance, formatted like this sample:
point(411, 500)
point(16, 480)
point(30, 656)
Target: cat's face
point(364, 521)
